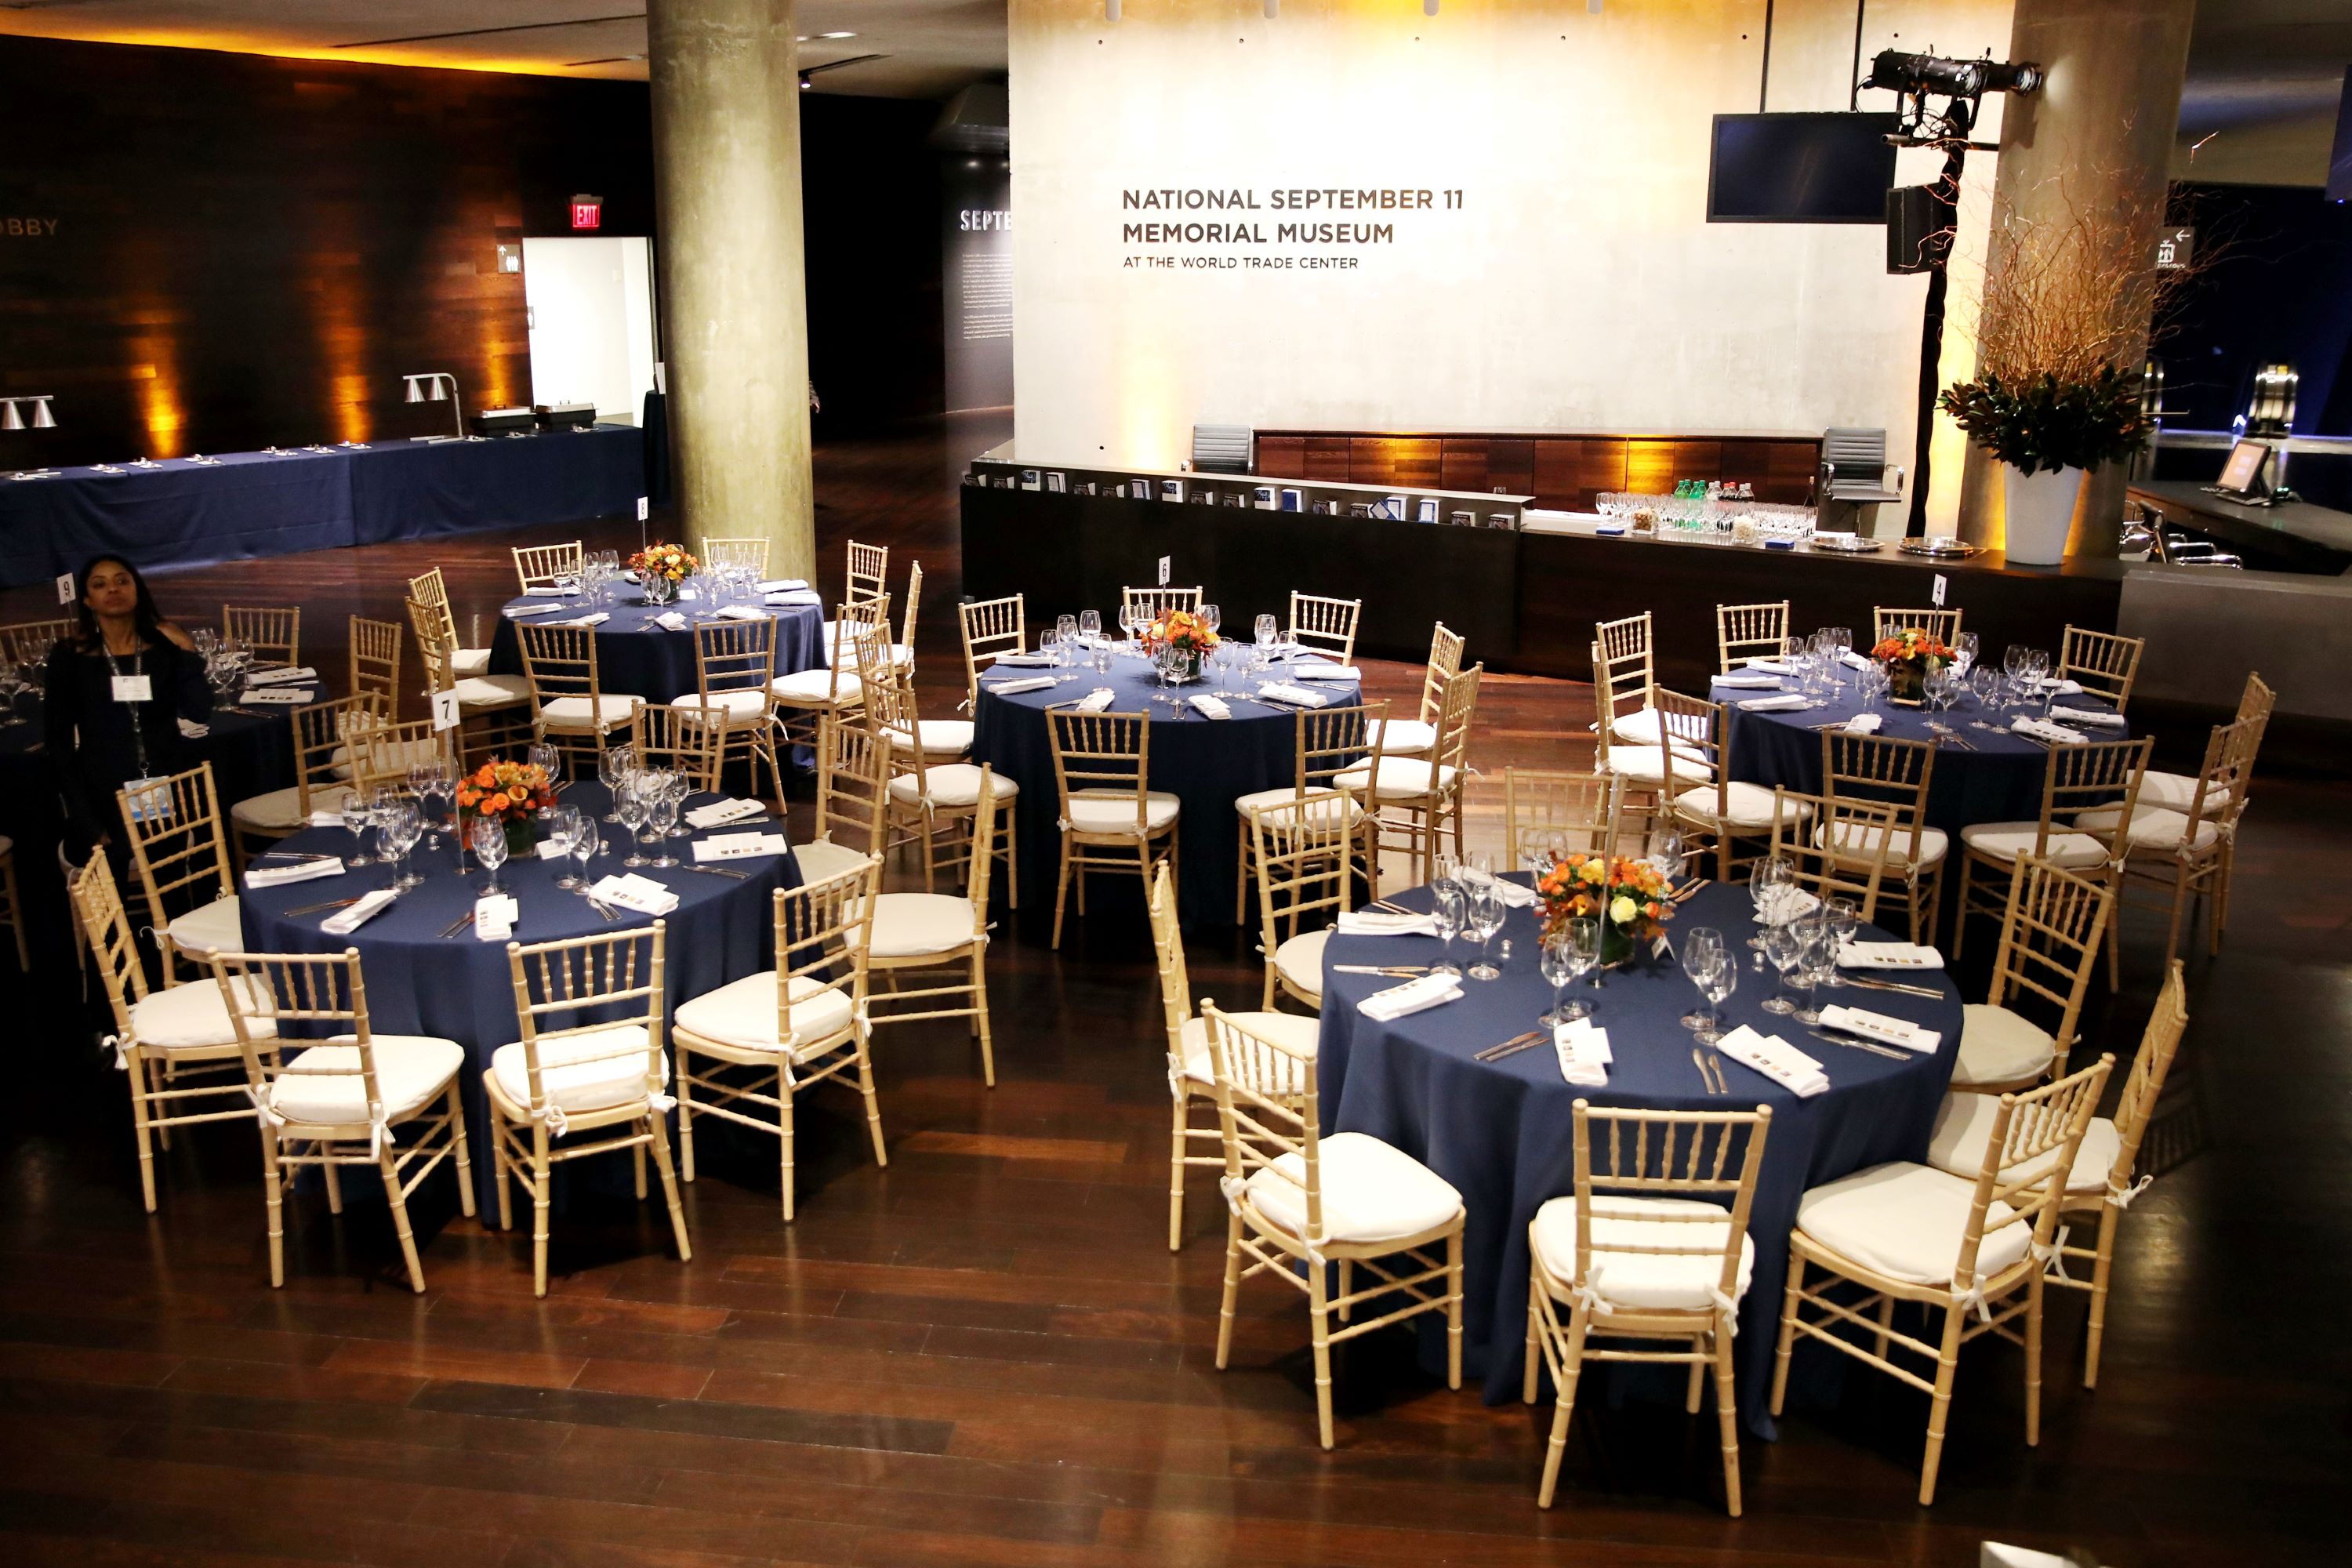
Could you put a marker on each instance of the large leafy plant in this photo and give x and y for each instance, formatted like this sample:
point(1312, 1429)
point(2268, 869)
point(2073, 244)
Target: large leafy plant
point(2042, 422)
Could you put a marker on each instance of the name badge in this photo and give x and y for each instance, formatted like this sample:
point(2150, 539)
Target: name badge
point(133, 688)
point(150, 800)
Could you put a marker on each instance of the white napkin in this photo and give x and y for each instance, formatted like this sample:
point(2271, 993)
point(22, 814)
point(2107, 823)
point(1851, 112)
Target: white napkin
point(632, 891)
point(719, 813)
point(277, 694)
point(798, 596)
point(2057, 687)
point(1853, 660)
point(495, 916)
point(1777, 1059)
point(2043, 730)
point(1211, 707)
point(1031, 661)
point(302, 872)
point(545, 589)
point(1296, 696)
point(1514, 896)
point(1583, 1051)
point(1032, 683)
point(1373, 923)
point(1753, 680)
point(670, 621)
point(782, 586)
point(521, 610)
point(192, 730)
point(1412, 996)
point(1878, 1027)
point(280, 677)
point(2089, 716)
point(1326, 672)
point(1785, 903)
point(740, 846)
point(1888, 955)
point(1785, 702)
point(598, 619)
point(342, 922)
point(1095, 701)
point(1772, 666)
point(1864, 724)
point(741, 613)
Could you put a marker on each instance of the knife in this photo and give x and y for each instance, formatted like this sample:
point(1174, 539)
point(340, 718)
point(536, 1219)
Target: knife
point(1894, 985)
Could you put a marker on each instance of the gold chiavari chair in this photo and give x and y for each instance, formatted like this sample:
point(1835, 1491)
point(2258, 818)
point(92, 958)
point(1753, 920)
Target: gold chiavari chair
point(2076, 779)
point(1719, 815)
point(1644, 767)
point(1826, 872)
point(2101, 663)
point(29, 642)
point(1963, 1248)
point(902, 652)
point(1324, 625)
point(322, 771)
point(539, 566)
point(805, 698)
point(178, 1047)
point(568, 704)
point(746, 551)
point(382, 754)
point(2173, 792)
point(1412, 799)
point(891, 684)
point(1329, 742)
point(1743, 632)
point(2100, 1184)
point(375, 659)
point(429, 590)
point(2049, 946)
point(602, 1082)
point(1148, 604)
point(792, 1028)
point(1883, 770)
point(339, 1103)
point(925, 795)
point(275, 635)
point(1625, 672)
point(1191, 1079)
point(1300, 1198)
point(1555, 812)
point(1652, 1247)
point(1944, 626)
point(991, 629)
point(734, 660)
point(1301, 850)
point(1111, 820)
point(2186, 855)
point(12, 907)
point(941, 941)
point(853, 776)
point(492, 709)
point(174, 828)
point(868, 575)
point(683, 740)
point(1413, 737)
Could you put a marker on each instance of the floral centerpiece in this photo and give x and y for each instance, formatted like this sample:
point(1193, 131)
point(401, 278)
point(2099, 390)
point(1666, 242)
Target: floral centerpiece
point(1185, 633)
point(1907, 657)
point(661, 568)
point(1628, 896)
point(514, 793)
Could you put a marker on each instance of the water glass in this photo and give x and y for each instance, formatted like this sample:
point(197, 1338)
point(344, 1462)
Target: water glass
point(632, 806)
point(564, 825)
point(1265, 633)
point(1448, 915)
point(1702, 951)
point(489, 837)
point(549, 759)
point(586, 848)
point(1482, 910)
point(1211, 616)
point(1720, 979)
point(359, 817)
point(663, 819)
point(614, 764)
point(1091, 624)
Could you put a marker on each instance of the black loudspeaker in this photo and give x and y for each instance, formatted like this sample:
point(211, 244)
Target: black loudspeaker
point(1919, 225)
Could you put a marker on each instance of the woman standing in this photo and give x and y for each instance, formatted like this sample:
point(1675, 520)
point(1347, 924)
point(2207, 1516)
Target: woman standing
point(116, 693)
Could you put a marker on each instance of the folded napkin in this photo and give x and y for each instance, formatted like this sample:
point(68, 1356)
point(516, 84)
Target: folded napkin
point(1210, 707)
point(1030, 660)
point(797, 596)
point(598, 619)
point(1878, 1027)
point(1888, 955)
point(1772, 666)
point(1412, 996)
point(741, 846)
point(1751, 680)
point(1095, 701)
point(631, 892)
point(495, 917)
point(192, 730)
point(1852, 660)
point(1786, 702)
point(545, 589)
point(1784, 904)
point(1296, 696)
point(2089, 716)
point(2043, 730)
point(2059, 687)
point(1583, 1052)
point(521, 610)
point(782, 586)
point(1011, 687)
point(670, 621)
point(1777, 1059)
point(550, 849)
point(342, 922)
point(719, 813)
point(283, 695)
point(741, 613)
point(300, 871)
point(1373, 923)
point(1326, 672)
point(283, 675)
point(1864, 724)
point(1514, 896)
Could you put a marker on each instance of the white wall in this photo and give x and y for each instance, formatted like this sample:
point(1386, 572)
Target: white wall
point(591, 321)
point(1578, 286)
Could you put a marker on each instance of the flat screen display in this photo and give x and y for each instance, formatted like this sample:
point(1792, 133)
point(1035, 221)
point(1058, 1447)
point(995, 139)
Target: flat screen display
point(2244, 468)
point(1801, 168)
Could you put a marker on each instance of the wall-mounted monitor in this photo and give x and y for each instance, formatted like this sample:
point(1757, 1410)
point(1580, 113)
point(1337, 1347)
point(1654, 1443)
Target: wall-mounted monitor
point(1801, 168)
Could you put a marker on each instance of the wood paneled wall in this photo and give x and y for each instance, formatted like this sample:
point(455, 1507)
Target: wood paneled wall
point(1563, 472)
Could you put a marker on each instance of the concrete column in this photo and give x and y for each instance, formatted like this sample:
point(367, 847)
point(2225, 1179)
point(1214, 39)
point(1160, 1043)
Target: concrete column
point(727, 182)
point(2100, 130)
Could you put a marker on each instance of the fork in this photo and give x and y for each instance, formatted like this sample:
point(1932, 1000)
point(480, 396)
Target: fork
point(1699, 1060)
point(1512, 1046)
point(460, 923)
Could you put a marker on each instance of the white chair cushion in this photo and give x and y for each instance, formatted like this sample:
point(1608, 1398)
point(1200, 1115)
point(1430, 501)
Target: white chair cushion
point(323, 1088)
point(1113, 810)
point(952, 784)
point(2152, 827)
point(941, 737)
point(281, 811)
point(743, 1012)
point(1964, 1130)
point(1647, 765)
point(1677, 1281)
point(1407, 738)
point(1639, 728)
point(2007, 840)
point(214, 928)
point(1747, 805)
point(1908, 1222)
point(1861, 840)
point(1323, 812)
point(738, 704)
point(583, 1072)
point(806, 686)
point(1289, 1030)
point(2174, 792)
point(821, 859)
point(576, 712)
point(1299, 963)
point(469, 661)
point(492, 690)
point(190, 1016)
point(1371, 1193)
point(1402, 778)
point(1998, 1046)
point(909, 925)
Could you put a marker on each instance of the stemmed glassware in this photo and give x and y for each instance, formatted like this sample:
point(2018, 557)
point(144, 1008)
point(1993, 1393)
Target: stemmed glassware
point(614, 766)
point(586, 847)
point(548, 759)
point(1766, 877)
point(1701, 950)
point(662, 815)
point(1127, 624)
point(631, 799)
point(1211, 616)
point(1715, 982)
point(1816, 964)
point(679, 786)
point(1965, 648)
point(1091, 624)
point(401, 825)
point(1845, 920)
point(1483, 912)
point(1448, 914)
point(1065, 637)
point(1783, 948)
point(1265, 633)
point(1563, 961)
point(359, 817)
point(564, 825)
point(433, 784)
point(490, 837)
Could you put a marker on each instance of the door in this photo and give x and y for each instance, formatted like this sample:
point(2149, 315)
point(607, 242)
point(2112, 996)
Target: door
point(592, 323)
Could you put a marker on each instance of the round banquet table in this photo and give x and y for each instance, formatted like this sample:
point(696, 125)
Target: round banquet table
point(1503, 1133)
point(636, 658)
point(2001, 781)
point(1207, 764)
point(461, 988)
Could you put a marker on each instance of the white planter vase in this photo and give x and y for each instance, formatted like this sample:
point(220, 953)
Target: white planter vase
point(2039, 512)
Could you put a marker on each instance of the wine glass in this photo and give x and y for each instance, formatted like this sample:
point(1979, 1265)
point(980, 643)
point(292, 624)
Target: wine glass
point(1965, 648)
point(1066, 634)
point(1581, 937)
point(586, 848)
point(1483, 914)
point(548, 759)
point(1127, 624)
point(680, 785)
point(1666, 855)
point(1211, 616)
point(359, 817)
point(1265, 633)
point(1091, 624)
point(402, 825)
point(1816, 964)
point(663, 819)
point(489, 839)
point(1716, 984)
point(1701, 950)
point(1049, 649)
point(1782, 947)
point(1448, 915)
point(614, 766)
point(630, 799)
point(1845, 920)
point(564, 825)
point(1766, 877)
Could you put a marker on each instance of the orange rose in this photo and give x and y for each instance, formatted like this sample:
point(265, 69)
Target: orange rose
point(498, 802)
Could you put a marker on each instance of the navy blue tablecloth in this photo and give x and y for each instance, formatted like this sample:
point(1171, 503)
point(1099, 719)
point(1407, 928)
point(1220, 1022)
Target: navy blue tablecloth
point(1206, 763)
point(406, 489)
point(461, 988)
point(636, 658)
point(1503, 1133)
point(2000, 781)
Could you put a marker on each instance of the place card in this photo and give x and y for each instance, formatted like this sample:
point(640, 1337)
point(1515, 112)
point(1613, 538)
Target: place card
point(281, 675)
point(494, 917)
point(719, 813)
point(741, 846)
point(1881, 1027)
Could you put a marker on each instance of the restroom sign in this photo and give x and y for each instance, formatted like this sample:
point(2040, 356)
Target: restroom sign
point(587, 212)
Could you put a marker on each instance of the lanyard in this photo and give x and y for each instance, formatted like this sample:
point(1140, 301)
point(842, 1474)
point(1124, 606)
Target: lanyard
point(137, 728)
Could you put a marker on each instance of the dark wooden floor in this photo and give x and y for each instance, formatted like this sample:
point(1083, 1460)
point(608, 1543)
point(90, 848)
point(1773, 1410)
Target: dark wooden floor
point(985, 1354)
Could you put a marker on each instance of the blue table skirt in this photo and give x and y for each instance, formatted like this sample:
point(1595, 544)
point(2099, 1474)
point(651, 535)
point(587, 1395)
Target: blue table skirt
point(2001, 781)
point(1206, 763)
point(657, 665)
point(461, 988)
point(407, 490)
point(1503, 1133)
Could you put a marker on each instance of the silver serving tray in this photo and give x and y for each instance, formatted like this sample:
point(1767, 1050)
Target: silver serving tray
point(1942, 547)
point(1859, 547)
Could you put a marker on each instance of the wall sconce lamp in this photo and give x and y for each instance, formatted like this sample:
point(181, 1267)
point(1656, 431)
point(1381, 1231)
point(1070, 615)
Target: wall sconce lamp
point(434, 386)
point(12, 418)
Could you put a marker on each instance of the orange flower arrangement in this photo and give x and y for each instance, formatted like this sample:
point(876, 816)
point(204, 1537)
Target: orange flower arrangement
point(1629, 895)
point(1915, 647)
point(511, 792)
point(1181, 630)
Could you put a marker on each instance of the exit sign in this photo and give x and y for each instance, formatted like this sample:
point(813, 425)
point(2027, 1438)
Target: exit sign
point(587, 212)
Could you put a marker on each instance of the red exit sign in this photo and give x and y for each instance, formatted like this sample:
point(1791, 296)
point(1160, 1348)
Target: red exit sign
point(587, 212)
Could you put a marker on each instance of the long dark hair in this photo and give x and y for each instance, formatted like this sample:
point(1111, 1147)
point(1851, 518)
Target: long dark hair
point(146, 617)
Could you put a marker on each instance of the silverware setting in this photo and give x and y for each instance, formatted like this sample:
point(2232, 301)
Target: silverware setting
point(1894, 985)
point(321, 908)
point(604, 909)
point(1512, 1046)
point(1871, 1045)
point(714, 871)
point(1944, 731)
point(460, 923)
point(1396, 971)
point(1710, 1071)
